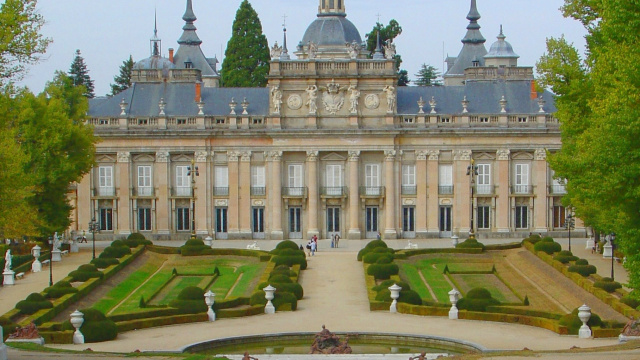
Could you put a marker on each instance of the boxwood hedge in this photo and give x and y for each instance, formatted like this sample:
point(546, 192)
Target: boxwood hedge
point(549, 247)
point(383, 271)
point(96, 327)
point(477, 299)
point(470, 243)
point(573, 322)
point(584, 270)
point(33, 303)
point(608, 285)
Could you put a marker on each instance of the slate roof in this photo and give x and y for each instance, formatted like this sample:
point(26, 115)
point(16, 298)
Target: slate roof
point(473, 45)
point(332, 30)
point(483, 96)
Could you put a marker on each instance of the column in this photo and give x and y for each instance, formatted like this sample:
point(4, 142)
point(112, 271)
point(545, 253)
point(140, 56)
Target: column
point(232, 210)
point(502, 190)
point(354, 197)
point(421, 194)
point(312, 171)
point(462, 192)
point(390, 231)
point(200, 192)
point(275, 195)
point(244, 197)
point(124, 202)
point(539, 180)
point(433, 199)
point(161, 179)
point(85, 208)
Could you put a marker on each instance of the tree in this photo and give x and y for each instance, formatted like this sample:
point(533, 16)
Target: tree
point(597, 102)
point(388, 34)
point(21, 43)
point(427, 76)
point(60, 148)
point(123, 80)
point(246, 62)
point(80, 75)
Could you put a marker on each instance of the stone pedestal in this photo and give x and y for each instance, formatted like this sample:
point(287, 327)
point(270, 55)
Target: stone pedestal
point(55, 256)
point(584, 313)
point(74, 247)
point(36, 266)
point(590, 243)
point(608, 251)
point(269, 295)
point(77, 319)
point(208, 241)
point(9, 277)
point(3, 347)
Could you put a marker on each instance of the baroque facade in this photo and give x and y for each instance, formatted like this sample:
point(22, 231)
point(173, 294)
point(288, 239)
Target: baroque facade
point(331, 146)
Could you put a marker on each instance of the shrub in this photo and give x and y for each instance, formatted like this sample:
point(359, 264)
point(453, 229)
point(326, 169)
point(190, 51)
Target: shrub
point(565, 259)
point(477, 299)
point(631, 302)
point(86, 272)
point(33, 303)
point(136, 239)
point(103, 263)
point(287, 244)
point(582, 262)
point(283, 270)
point(290, 260)
point(194, 247)
point(406, 296)
point(478, 293)
point(547, 247)
point(533, 239)
point(525, 302)
point(385, 259)
point(97, 327)
point(383, 271)
point(608, 285)
point(190, 301)
point(191, 293)
point(288, 252)
point(8, 327)
point(59, 289)
point(280, 279)
point(573, 323)
point(115, 251)
point(470, 243)
point(387, 283)
point(293, 288)
point(547, 239)
point(280, 299)
point(584, 270)
point(370, 246)
point(372, 257)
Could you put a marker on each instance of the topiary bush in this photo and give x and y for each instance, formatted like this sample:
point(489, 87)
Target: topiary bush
point(477, 299)
point(96, 327)
point(33, 303)
point(293, 288)
point(533, 239)
point(86, 272)
point(287, 244)
point(117, 249)
point(549, 247)
point(608, 285)
point(291, 260)
point(190, 300)
point(584, 270)
point(573, 323)
point(280, 299)
point(631, 302)
point(383, 271)
point(370, 247)
point(136, 239)
point(194, 247)
point(470, 243)
point(373, 257)
point(582, 262)
point(280, 279)
point(387, 283)
point(406, 296)
point(565, 257)
point(59, 289)
point(103, 263)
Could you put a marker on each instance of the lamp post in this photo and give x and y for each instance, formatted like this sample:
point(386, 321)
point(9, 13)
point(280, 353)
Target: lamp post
point(569, 223)
point(94, 227)
point(611, 238)
point(50, 260)
point(192, 172)
point(472, 170)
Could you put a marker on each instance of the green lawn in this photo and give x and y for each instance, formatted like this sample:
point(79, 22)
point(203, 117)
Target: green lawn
point(496, 287)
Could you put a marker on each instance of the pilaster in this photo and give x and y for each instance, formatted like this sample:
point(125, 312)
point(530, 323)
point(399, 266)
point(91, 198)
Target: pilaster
point(161, 179)
point(539, 180)
point(201, 192)
point(433, 203)
point(312, 171)
point(124, 184)
point(462, 192)
point(244, 197)
point(84, 199)
point(421, 193)
point(233, 213)
point(390, 231)
point(354, 216)
point(502, 190)
point(275, 195)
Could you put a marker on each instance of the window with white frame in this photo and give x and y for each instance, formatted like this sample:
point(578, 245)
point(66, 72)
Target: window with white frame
point(144, 180)
point(295, 179)
point(409, 179)
point(445, 179)
point(483, 181)
point(333, 178)
point(221, 180)
point(522, 179)
point(257, 180)
point(183, 185)
point(105, 181)
point(372, 179)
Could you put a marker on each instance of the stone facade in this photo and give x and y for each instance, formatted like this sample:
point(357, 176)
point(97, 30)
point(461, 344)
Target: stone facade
point(332, 145)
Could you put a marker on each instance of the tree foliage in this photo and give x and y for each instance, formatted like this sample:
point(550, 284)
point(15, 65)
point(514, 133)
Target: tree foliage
point(427, 76)
point(80, 75)
point(21, 43)
point(597, 101)
point(388, 34)
point(246, 62)
point(123, 79)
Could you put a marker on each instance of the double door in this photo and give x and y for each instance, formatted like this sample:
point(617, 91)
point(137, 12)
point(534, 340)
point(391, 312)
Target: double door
point(371, 222)
point(445, 221)
point(295, 222)
point(333, 222)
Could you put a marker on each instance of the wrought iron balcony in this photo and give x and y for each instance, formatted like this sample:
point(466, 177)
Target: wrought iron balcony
point(522, 189)
point(333, 191)
point(221, 191)
point(409, 190)
point(143, 191)
point(372, 191)
point(294, 192)
point(484, 189)
point(258, 191)
point(181, 191)
point(557, 189)
point(105, 191)
point(445, 189)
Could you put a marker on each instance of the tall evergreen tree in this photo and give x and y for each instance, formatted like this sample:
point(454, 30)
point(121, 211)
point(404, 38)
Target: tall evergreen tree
point(80, 75)
point(123, 80)
point(388, 33)
point(427, 76)
point(246, 62)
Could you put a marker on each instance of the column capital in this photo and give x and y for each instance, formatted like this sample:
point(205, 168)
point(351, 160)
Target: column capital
point(462, 155)
point(389, 155)
point(274, 155)
point(312, 155)
point(162, 156)
point(541, 154)
point(421, 155)
point(354, 155)
point(232, 156)
point(245, 156)
point(201, 156)
point(434, 155)
point(503, 154)
point(124, 156)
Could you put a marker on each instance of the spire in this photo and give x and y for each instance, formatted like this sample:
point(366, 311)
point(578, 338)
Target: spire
point(501, 36)
point(331, 8)
point(156, 43)
point(378, 54)
point(189, 36)
point(285, 52)
point(473, 30)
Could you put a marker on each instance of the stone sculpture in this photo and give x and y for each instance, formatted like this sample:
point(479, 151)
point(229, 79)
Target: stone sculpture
point(276, 97)
point(353, 49)
point(28, 332)
point(333, 98)
point(390, 50)
point(328, 343)
point(7, 261)
point(313, 50)
point(391, 97)
point(312, 93)
point(354, 98)
point(632, 328)
point(276, 51)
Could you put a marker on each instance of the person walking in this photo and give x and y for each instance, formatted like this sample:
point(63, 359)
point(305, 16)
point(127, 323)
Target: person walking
point(337, 240)
point(314, 247)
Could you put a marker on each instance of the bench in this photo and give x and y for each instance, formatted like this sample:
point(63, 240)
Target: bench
point(19, 275)
point(45, 261)
point(65, 252)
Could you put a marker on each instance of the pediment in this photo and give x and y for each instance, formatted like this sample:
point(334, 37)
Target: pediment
point(180, 158)
point(333, 157)
point(144, 158)
point(522, 156)
point(105, 158)
point(484, 156)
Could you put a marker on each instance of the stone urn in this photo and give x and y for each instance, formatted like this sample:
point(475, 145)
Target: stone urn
point(268, 294)
point(454, 296)
point(209, 299)
point(590, 243)
point(395, 294)
point(454, 240)
point(584, 313)
point(36, 265)
point(208, 241)
point(77, 319)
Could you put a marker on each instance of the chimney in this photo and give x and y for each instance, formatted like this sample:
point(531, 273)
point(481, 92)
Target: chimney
point(171, 54)
point(534, 91)
point(198, 92)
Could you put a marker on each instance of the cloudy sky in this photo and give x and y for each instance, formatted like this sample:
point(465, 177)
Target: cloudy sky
point(108, 31)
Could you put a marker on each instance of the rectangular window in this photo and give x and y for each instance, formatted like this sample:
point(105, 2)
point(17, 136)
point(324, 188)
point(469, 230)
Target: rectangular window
point(445, 120)
point(409, 219)
point(221, 181)
point(183, 223)
point(522, 179)
point(144, 180)
point(484, 217)
point(372, 179)
point(484, 179)
point(258, 220)
point(522, 217)
point(144, 219)
point(221, 220)
point(106, 219)
point(105, 181)
point(409, 120)
point(334, 179)
point(559, 217)
point(257, 176)
point(257, 121)
point(408, 175)
point(483, 119)
point(183, 186)
point(445, 179)
point(295, 180)
point(220, 121)
point(522, 119)
point(181, 121)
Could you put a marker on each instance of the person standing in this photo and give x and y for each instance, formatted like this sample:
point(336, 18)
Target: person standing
point(337, 241)
point(314, 246)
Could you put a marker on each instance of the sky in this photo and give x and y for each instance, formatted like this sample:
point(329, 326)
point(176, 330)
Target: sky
point(108, 31)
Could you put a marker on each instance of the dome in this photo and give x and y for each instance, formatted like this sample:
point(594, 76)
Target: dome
point(331, 31)
point(501, 48)
point(154, 63)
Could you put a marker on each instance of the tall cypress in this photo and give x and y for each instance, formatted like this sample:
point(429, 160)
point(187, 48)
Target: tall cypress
point(80, 75)
point(123, 79)
point(246, 62)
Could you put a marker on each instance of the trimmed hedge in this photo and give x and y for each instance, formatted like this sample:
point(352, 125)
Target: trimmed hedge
point(406, 296)
point(96, 327)
point(477, 299)
point(573, 322)
point(565, 257)
point(287, 244)
point(470, 243)
point(582, 262)
point(282, 301)
point(631, 302)
point(584, 270)
point(194, 247)
point(383, 271)
point(103, 263)
point(115, 251)
point(387, 283)
point(190, 300)
point(373, 257)
point(549, 247)
point(136, 239)
point(59, 289)
point(370, 247)
point(33, 303)
point(291, 260)
point(608, 285)
point(86, 272)
point(8, 327)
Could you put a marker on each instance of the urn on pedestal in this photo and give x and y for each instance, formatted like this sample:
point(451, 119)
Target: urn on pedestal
point(395, 294)
point(209, 299)
point(584, 313)
point(77, 319)
point(269, 294)
point(454, 296)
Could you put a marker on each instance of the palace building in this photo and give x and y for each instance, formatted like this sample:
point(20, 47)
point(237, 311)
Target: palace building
point(331, 146)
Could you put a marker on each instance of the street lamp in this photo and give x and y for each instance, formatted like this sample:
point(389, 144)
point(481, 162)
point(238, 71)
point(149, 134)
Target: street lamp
point(473, 171)
point(192, 171)
point(94, 227)
point(611, 238)
point(50, 260)
point(569, 223)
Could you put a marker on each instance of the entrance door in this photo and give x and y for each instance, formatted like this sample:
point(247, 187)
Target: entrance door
point(409, 222)
point(333, 222)
point(295, 223)
point(257, 222)
point(445, 221)
point(221, 223)
point(371, 222)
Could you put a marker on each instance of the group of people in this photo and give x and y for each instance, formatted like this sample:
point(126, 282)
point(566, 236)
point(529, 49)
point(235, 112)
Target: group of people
point(312, 245)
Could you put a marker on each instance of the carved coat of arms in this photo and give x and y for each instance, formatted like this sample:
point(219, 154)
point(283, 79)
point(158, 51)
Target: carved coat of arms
point(333, 98)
